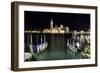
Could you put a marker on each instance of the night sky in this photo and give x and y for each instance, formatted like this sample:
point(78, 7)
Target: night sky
point(40, 20)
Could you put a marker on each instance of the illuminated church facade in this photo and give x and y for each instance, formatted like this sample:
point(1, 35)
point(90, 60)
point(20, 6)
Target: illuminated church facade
point(56, 29)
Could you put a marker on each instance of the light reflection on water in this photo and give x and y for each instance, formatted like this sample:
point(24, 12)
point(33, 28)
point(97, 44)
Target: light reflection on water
point(56, 50)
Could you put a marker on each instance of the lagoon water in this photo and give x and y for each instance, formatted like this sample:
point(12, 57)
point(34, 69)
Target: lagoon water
point(57, 49)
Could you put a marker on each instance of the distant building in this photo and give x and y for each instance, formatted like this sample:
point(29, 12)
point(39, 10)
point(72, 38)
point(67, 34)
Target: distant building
point(51, 24)
point(55, 29)
point(66, 29)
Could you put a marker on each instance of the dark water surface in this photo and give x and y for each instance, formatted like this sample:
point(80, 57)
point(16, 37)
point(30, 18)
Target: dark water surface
point(56, 49)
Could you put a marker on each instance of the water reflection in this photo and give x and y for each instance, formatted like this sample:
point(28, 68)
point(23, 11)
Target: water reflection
point(45, 46)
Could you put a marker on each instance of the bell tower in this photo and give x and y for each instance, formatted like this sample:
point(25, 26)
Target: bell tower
point(51, 24)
